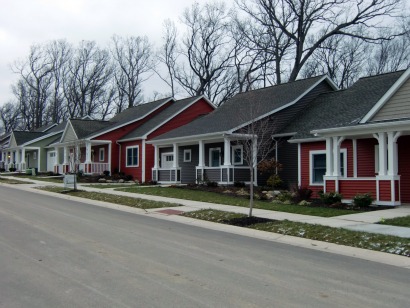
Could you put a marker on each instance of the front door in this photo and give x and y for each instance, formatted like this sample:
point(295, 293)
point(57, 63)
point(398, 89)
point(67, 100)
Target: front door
point(51, 160)
point(215, 157)
point(167, 160)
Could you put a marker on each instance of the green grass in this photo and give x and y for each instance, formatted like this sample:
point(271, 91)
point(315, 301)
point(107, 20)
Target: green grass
point(123, 200)
point(371, 241)
point(13, 181)
point(399, 221)
point(105, 186)
point(198, 195)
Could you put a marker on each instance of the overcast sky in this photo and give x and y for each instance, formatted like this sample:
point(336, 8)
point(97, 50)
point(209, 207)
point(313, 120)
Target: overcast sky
point(25, 22)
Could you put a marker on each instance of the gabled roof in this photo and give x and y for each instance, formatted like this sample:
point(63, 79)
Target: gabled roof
point(236, 111)
point(163, 117)
point(342, 108)
point(85, 127)
point(22, 137)
point(44, 128)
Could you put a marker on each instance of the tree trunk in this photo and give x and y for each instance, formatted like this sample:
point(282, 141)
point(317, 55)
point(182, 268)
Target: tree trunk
point(251, 193)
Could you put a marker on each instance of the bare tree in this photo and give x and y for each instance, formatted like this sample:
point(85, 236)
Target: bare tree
point(132, 56)
point(10, 116)
point(207, 51)
point(308, 24)
point(256, 141)
point(36, 73)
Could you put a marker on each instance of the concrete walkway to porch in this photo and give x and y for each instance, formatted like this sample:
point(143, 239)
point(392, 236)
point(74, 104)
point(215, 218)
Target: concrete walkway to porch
point(366, 221)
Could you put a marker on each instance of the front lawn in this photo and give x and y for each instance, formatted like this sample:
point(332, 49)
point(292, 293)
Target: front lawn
point(206, 196)
point(399, 221)
point(378, 242)
point(123, 200)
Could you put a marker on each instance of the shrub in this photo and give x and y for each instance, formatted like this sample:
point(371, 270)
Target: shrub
point(330, 197)
point(238, 184)
point(2, 170)
point(362, 200)
point(212, 184)
point(285, 197)
point(302, 194)
point(106, 172)
point(12, 169)
point(274, 181)
point(128, 177)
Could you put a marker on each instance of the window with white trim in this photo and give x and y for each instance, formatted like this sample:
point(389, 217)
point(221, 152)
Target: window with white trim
point(214, 157)
point(102, 154)
point(187, 155)
point(318, 166)
point(133, 156)
point(237, 155)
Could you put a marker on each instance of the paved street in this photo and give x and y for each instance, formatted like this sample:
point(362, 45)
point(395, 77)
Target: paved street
point(56, 252)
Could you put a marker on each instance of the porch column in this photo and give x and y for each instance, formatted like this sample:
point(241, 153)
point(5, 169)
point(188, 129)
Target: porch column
point(337, 141)
point(175, 163)
point(65, 162)
point(155, 156)
point(201, 162)
point(18, 159)
point(381, 137)
point(88, 152)
point(227, 152)
point(392, 150)
point(329, 156)
point(23, 156)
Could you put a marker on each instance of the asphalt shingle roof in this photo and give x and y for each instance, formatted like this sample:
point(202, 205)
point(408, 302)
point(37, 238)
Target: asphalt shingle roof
point(161, 117)
point(342, 108)
point(24, 137)
point(236, 111)
point(83, 127)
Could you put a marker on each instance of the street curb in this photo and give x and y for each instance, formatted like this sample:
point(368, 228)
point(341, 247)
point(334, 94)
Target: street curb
point(364, 254)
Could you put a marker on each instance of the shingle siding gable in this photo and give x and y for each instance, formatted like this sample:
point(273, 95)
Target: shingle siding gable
point(397, 107)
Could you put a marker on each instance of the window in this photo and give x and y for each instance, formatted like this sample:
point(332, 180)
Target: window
point(187, 156)
point(237, 155)
point(102, 154)
point(132, 156)
point(318, 166)
point(214, 157)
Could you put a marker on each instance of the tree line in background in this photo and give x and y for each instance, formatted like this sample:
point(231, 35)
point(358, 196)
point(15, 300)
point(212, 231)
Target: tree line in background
point(220, 52)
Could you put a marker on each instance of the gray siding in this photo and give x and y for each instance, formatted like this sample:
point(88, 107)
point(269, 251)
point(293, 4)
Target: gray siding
point(188, 168)
point(397, 107)
point(288, 157)
point(69, 135)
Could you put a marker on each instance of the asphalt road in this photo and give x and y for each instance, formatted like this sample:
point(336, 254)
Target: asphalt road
point(60, 253)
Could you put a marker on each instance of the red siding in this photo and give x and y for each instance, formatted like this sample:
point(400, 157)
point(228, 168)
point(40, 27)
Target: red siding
point(366, 157)
point(349, 188)
point(385, 190)
point(397, 190)
point(116, 134)
point(330, 186)
point(305, 149)
point(188, 115)
point(404, 167)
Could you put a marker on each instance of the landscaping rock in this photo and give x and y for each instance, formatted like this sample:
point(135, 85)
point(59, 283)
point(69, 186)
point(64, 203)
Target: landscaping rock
point(121, 181)
point(109, 181)
point(102, 180)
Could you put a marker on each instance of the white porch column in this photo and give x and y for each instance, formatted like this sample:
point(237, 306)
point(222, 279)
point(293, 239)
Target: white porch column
point(155, 156)
point(23, 155)
point(65, 159)
point(381, 137)
point(175, 163)
point(227, 152)
point(88, 152)
point(57, 159)
point(329, 156)
point(18, 158)
point(201, 162)
point(336, 155)
point(392, 152)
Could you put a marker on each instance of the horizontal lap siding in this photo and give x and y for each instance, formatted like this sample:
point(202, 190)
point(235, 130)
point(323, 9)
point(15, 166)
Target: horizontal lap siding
point(404, 167)
point(397, 190)
point(366, 157)
point(385, 190)
point(305, 164)
point(330, 186)
point(350, 188)
point(136, 172)
point(188, 168)
point(242, 175)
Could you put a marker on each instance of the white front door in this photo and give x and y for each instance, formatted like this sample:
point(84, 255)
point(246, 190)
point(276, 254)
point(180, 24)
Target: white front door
point(167, 160)
point(51, 160)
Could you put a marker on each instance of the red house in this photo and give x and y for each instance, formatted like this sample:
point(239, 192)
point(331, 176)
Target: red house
point(96, 142)
point(357, 140)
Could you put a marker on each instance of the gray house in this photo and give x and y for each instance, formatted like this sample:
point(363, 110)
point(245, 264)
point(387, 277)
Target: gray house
point(208, 147)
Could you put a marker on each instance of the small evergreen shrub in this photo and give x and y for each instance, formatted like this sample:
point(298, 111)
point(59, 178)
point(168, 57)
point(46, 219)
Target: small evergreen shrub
point(331, 197)
point(212, 184)
point(285, 197)
point(238, 184)
point(106, 172)
point(362, 200)
point(274, 181)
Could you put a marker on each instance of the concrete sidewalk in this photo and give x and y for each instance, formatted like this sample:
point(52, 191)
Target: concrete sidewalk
point(366, 221)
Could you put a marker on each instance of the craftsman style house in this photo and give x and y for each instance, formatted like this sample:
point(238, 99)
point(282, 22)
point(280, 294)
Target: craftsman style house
point(357, 140)
point(96, 143)
point(208, 148)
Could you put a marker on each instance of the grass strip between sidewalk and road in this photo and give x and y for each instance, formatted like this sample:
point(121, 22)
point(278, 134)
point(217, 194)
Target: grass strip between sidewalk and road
point(399, 221)
point(13, 181)
point(212, 197)
point(40, 178)
point(371, 241)
point(123, 200)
